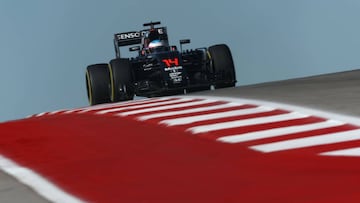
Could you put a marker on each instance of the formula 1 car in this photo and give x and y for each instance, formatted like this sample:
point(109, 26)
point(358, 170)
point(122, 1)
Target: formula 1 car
point(159, 69)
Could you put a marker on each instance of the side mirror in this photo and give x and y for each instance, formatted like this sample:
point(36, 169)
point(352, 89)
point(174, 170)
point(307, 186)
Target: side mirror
point(135, 48)
point(185, 41)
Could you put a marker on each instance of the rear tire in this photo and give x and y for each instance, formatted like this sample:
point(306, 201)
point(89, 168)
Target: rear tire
point(121, 80)
point(222, 65)
point(98, 84)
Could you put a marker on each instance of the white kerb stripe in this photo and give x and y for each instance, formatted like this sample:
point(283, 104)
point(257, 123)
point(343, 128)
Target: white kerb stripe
point(343, 152)
point(309, 141)
point(41, 114)
point(118, 104)
point(192, 119)
point(108, 105)
point(246, 122)
point(57, 111)
point(193, 110)
point(278, 132)
point(144, 105)
point(160, 108)
point(40, 185)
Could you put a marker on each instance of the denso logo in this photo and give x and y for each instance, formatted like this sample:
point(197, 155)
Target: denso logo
point(129, 35)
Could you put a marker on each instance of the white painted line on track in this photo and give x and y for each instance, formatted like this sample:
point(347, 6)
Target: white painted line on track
point(40, 185)
point(245, 122)
point(353, 152)
point(144, 106)
point(194, 110)
point(192, 119)
point(330, 138)
point(165, 107)
point(278, 132)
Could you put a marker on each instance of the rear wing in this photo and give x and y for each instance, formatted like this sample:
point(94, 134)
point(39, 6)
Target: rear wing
point(126, 39)
point(135, 37)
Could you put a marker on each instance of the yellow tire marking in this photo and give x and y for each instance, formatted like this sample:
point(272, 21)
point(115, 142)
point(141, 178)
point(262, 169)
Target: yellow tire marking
point(89, 88)
point(112, 96)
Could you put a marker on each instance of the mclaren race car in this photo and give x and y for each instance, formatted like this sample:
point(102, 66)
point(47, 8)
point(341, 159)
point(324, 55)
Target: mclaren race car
point(158, 69)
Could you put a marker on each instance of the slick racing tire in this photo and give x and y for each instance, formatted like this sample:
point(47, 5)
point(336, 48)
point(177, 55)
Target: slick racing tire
point(222, 65)
point(121, 80)
point(98, 84)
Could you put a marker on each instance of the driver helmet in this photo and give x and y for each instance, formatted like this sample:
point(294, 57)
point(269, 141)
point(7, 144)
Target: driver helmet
point(156, 43)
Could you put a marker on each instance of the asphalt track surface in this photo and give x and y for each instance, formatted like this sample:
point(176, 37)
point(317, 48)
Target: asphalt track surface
point(178, 169)
point(337, 92)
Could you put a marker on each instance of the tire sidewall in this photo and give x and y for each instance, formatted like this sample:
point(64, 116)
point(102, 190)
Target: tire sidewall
point(98, 84)
point(121, 79)
point(222, 65)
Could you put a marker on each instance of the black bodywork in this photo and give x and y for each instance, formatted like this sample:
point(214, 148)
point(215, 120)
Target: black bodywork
point(165, 69)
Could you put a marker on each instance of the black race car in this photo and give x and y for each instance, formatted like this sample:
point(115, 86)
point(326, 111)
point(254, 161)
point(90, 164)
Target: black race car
point(159, 69)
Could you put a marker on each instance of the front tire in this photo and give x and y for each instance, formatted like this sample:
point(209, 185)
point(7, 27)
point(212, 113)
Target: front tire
point(98, 83)
point(222, 65)
point(121, 80)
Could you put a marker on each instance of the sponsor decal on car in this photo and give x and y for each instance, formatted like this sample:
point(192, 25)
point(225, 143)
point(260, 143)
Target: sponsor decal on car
point(171, 62)
point(174, 68)
point(130, 35)
point(176, 77)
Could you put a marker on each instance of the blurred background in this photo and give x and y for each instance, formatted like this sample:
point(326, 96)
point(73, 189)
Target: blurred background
point(45, 45)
